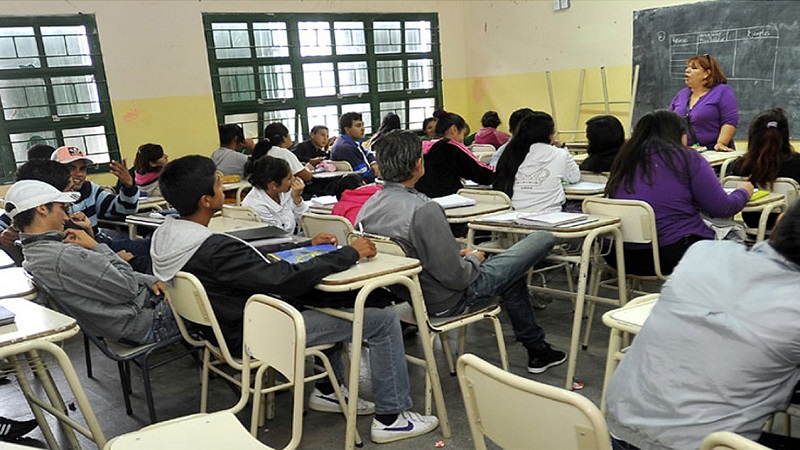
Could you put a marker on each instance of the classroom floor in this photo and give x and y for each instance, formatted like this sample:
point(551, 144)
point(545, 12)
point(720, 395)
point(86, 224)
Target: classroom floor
point(176, 387)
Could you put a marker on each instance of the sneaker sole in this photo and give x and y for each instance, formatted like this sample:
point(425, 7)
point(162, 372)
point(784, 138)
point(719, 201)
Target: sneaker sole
point(334, 408)
point(544, 369)
point(401, 435)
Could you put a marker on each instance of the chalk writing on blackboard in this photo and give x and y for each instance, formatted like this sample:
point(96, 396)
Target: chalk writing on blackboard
point(735, 48)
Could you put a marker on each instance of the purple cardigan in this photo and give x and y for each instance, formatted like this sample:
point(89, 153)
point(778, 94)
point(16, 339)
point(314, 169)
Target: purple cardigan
point(710, 113)
point(677, 203)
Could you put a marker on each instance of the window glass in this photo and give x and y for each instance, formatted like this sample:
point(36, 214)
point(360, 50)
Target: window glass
point(388, 37)
point(18, 48)
point(390, 76)
point(248, 122)
point(398, 108)
point(349, 38)
point(419, 109)
point(315, 38)
point(324, 115)
point(420, 74)
point(231, 40)
point(353, 77)
point(76, 95)
point(66, 46)
point(319, 79)
point(24, 99)
point(271, 39)
point(237, 84)
point(418, 36)
point(21, 142)
point(90, 139)
point(276, 81)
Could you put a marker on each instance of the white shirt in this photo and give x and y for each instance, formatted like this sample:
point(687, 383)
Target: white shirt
point(294, 164)
point(538, 185)
point(285, 215)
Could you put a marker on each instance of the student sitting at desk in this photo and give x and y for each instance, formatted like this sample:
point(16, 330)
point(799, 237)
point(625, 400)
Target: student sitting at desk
point(605, 135)
point(513, 122)
point(277, 195)
point(489, 134)
point(231, 271)
point(150, 159)
point(532, 170)
point(769, 156)
point(228, 158)
point(447, 160)
point(315, 149)
point(719, 351)
point(655, 166)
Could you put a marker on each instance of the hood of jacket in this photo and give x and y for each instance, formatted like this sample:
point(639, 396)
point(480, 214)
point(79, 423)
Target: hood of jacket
point(174, 244)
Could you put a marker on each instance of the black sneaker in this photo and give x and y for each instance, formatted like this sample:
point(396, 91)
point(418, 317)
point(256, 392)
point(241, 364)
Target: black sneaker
point(541, 360)
point(12, 429)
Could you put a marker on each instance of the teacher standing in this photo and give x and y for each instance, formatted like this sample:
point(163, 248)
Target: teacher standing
point(707, 104)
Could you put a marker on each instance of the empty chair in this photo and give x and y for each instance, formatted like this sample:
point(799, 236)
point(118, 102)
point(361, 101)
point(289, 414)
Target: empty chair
point(266, 321)
point(515, 412)
point(313, 224)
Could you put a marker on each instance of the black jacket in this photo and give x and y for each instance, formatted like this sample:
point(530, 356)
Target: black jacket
point(446, 165)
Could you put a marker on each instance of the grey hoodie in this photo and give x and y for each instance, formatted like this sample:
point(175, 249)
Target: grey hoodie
point(101, 288)
point(174, 244)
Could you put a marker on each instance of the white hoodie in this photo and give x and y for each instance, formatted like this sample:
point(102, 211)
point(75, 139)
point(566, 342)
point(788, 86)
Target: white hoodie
point(538, 184)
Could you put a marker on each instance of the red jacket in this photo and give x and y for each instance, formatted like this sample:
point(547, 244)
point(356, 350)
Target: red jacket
point(352, 200)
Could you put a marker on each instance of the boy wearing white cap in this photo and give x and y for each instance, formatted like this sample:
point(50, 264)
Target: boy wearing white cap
point(100, 287)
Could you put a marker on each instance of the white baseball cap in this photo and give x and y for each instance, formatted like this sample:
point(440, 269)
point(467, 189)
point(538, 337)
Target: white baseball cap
point(28, 194)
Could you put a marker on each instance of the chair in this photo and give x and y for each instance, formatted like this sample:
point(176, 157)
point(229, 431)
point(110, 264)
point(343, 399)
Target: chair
point(593, 177)
point(623, 322)
point(240, 212)
point(119, 352)
point(482, 148)
point(342, 166)
point(725, 440)
point(516, 412)
point(189, 302)
point(266, 320)
point(639, 227)
point(313, 224)
point(417, 313)
point(787, 187)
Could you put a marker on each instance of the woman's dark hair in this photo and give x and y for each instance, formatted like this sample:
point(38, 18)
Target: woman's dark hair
point(768, 147)
point(658, 132)
point(786, 236)
point(275, 133)
point(390, 122)
point(445, 120)
point(490, 119)
point(146, 154)
point(267, 169)
point(184, 181)
point(345, 183)
point(259, 150)
point(516, 117)
point(605, 135)
point(427, 121)
point(538, 127)
point(707, 62)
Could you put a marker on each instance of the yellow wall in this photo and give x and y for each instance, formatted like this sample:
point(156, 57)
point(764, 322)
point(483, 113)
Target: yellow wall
point(494, 56)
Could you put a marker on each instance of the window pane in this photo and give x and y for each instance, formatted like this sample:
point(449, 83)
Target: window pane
point(76, 95)
point(237, 84)
point(353, 78)
point(319, 79)
point(387, 37)
point(276, 81)
point(390, 76)
point(420, 74)
point(231, 40)
point(271, 39)
point(248, 122)
point(24, 99)
point(324, 115)
point(418, 36)
point(92, 140)
point(418, 110)
point(66, 46)
point(18, 48)
point(398, 108)
point(362, 108)
point(288, 117)
point(349, 38)
point(315, 38)
point(21, 142)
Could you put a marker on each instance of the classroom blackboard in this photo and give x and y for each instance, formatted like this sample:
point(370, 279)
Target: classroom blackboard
point(757, 44)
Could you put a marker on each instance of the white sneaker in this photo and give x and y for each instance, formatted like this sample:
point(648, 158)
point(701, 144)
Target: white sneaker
point(328, 403)
point(408, 424)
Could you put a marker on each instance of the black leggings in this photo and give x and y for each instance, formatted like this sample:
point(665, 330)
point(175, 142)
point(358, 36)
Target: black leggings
point(640, 262)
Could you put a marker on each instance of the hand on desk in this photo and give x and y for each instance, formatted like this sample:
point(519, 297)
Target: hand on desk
point(323, 238)
point(364, 247)
point(478, 254)
point(747, 186)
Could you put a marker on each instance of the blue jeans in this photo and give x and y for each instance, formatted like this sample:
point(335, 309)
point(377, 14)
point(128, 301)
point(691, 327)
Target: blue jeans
point(388, 370)
point(504, 274)
point(164, 325)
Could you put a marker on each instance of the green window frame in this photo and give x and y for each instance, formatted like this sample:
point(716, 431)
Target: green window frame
point(53, 90)
point(308, 69)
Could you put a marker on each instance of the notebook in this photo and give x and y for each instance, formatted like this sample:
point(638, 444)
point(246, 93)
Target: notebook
point(6, 316)
point(553, 219)
point(255, 234)
point(454, 201)
point(302, 254)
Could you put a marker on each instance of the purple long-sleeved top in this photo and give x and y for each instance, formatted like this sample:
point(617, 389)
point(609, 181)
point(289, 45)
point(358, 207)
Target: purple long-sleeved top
point(713, 110)
point(677, 203)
